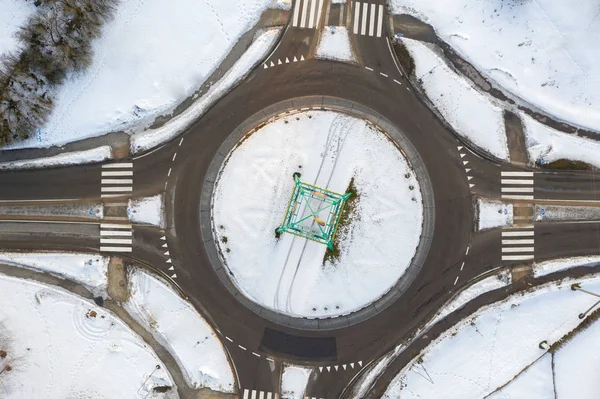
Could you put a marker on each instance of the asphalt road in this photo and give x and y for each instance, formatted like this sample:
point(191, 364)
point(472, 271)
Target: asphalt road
point(457, 254)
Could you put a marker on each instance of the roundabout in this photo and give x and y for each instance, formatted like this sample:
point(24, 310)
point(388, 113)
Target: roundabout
point(336, 147)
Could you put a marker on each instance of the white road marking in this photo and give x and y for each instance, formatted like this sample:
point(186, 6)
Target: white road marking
point(122, 165)
point(261, 395)
point(518, 233)
point(461, 266)
point(466, 253)
point(126, 241)
point(253, 394)
point(319, 11)
point(241, 347)
point(304, 10)
point(397, 82)
point(228, 339)
point(311, 19)
point(372, 20)
point(296, 13)
point(517, 249)
point(356, 16)
point(369, 69)
point(523, 241)
point(517, 257)
point(116, 189)
point(383, 74)
point(118, 173)
point(181, 141)
point(380, 21)
point(169, 173)
point(517, 197)
point(363, 28)
point(115, 249)
point(117, 181)
point(455, 281)
point(255, 354)
point(517, 181)
point(517, 189)
point(114, 226)
point(110, 233)
point(174, 156)
point(517, 174)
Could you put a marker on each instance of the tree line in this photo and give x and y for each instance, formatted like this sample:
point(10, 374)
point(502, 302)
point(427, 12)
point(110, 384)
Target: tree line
point(55, 41)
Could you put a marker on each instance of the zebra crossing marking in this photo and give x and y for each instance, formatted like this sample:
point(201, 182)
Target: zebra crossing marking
point(369, 13)
point(517, 185)
point(307, 13)
point(515, 247)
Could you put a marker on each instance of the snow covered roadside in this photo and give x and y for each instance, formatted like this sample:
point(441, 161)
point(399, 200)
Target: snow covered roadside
point(290, 274)
point(181, 330)
point(473, 115)
point(87, 269)
point(538, 50)
point(98, 154)
point(149, 210)
point(486, 350)
point(148, 139)
point(293, 382)
point(493, 214)
point(545, 213)
point(335, 44)
point(14, 15)
point(71, 348)
point(546, 145)
point(556, 265)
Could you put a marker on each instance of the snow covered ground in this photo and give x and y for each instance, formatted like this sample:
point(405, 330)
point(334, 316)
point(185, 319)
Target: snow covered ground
point(293, 382)
point(557, 265)
point(538, 50)
point(535, 382)
point(149, 210)
point(150, 138)
point(97, 154)
point(548, 145)
point(335, 44)
point(566, 212)
point(493, 214)
point(86, 269)
point(14, 15)
point(61, 346)
point(485, 351)
point(289, 274)
point(473, 115)
point(150, 57)
point(176, 325)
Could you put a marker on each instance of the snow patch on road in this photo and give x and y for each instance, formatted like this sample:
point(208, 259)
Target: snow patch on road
point(98, 154)
point(557, 265)
point(493, 214)
point(180, 328)
point(62, 346)
point(146, 140)
point(293, 382)
point(335, 44)
point(87, 269)
point(474, 116)
point(148, 210)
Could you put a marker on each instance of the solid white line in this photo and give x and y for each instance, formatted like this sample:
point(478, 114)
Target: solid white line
point(517, 181)
point(517, 233)
point(228, 339)
point(369, 69)
point(304, 10)
point(181, 141)
point(517, 174)
point(456, 280)
point(114, 226)
point(517, 197)
point(296, 13)
point(356, 16)
point(116, 241)
point(372, 20)
point(174, 156)
point(116, 233)
point(517, 189)
point(122, 165)
point(380, 21)
point(111, 195)
point(383, 74)
point(397, 82)
point(518, 249)
point(523, 241)
point(245, 394)
point(115, 249)
point(311, 18)
point(241, 347)
point(119, 173)
point(363, 27)
point(517, 257)
point(117, 181)
point(116, 189)
point(319, 11)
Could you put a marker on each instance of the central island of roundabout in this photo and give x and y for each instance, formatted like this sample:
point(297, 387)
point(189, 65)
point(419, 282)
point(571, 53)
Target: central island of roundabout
point(318, 214)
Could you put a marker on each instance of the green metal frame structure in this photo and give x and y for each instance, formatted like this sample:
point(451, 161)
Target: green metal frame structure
point(313, 212)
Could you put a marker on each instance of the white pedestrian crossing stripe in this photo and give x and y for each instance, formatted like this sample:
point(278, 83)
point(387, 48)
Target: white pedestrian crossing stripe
point(517, 185)
point(368, 19)
point(518, 244)
point(116, 181)
point(255, 394)
point(307, 13)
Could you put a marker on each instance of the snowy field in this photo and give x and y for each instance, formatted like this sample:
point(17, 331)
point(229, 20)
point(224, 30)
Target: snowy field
point(61, 346)
point(86, 269)
point(493, 214)
point(293, 382)
point(547, 144)
point(474, 116)
point(150, 57)
point(147, 210)
point(335, 44)
point(539, 50)
point(14, 14)
point(289, 274)
point(176, 325)
point(485, 351)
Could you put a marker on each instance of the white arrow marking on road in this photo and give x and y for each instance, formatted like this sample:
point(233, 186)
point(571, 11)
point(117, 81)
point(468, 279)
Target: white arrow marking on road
point(465, 162)
point(164, 238)
point(462, 155)
point(352, 365)
point(295, 59)
point(360, 363)
point(174, 276)
point(164, 245)
point(279, 62)
point(467, 170)
point(471, 185)
point(169, 261)
point(328, 368)
point(336, 368)
point(344, 366)
point(287, 60)
point(272, 64)
point(171, 268)
point(265, 65)
point(167, 253)
point(460, 147)
point(469, 177)
point(301, 58)
point(320, 369)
